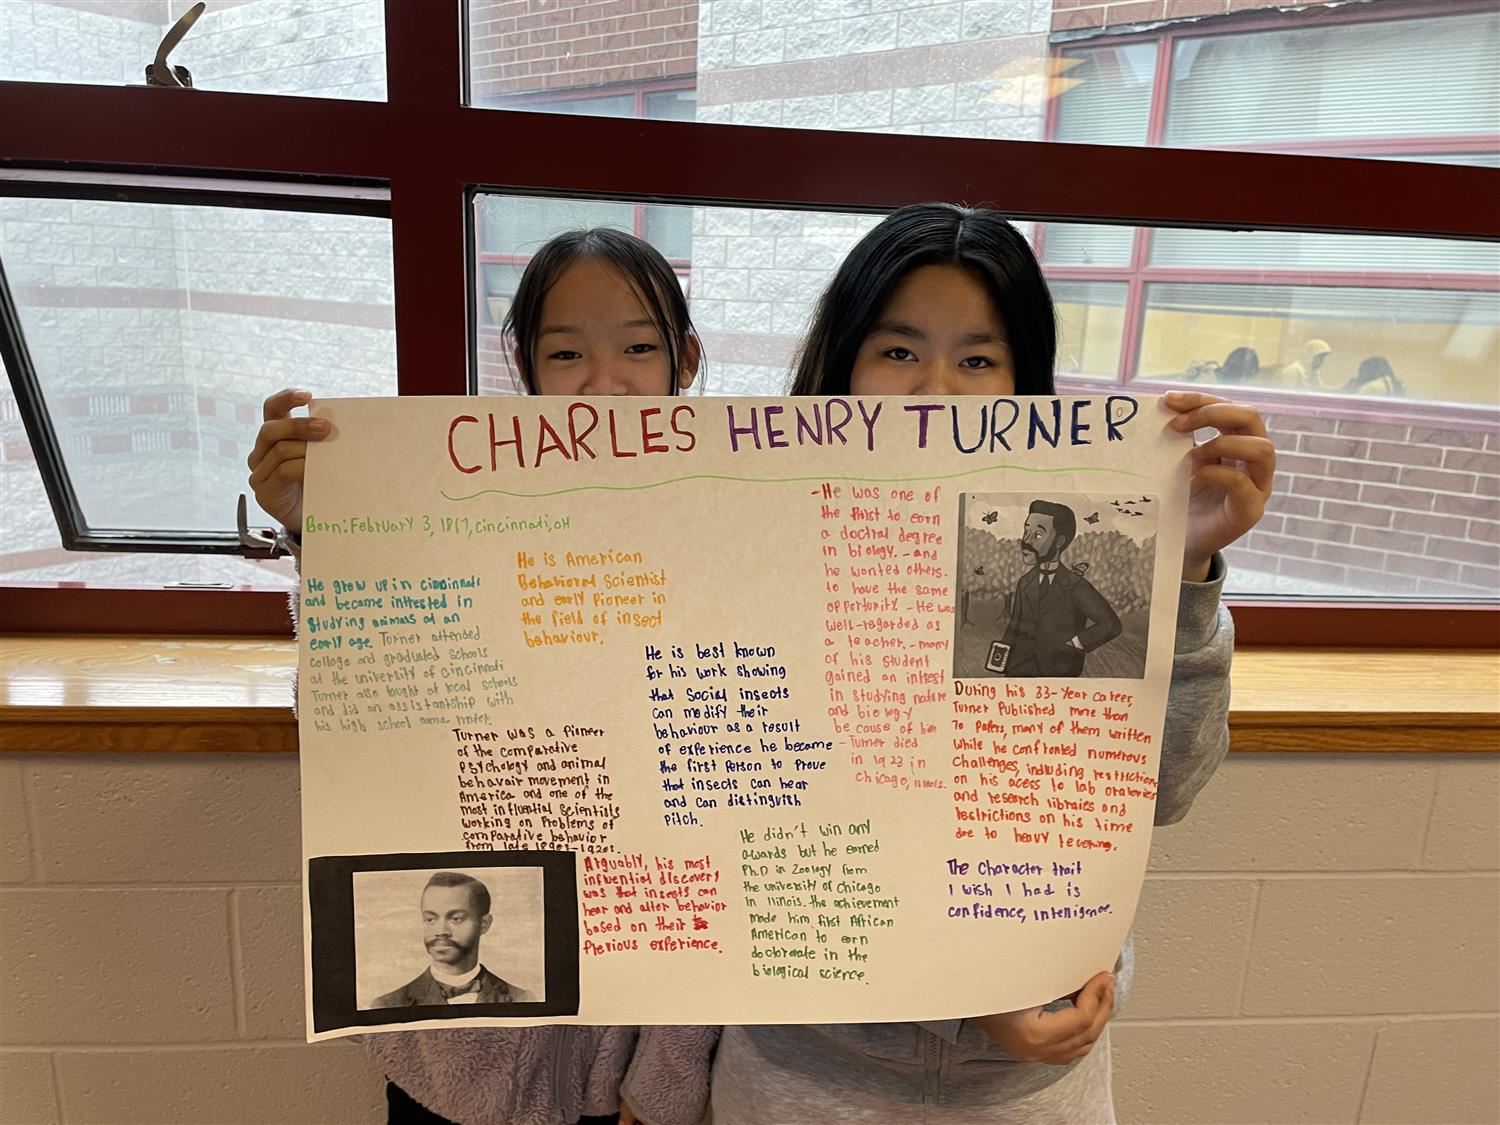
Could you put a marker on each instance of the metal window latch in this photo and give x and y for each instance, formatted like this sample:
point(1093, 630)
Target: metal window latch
point(261, 542)
point(162, 73)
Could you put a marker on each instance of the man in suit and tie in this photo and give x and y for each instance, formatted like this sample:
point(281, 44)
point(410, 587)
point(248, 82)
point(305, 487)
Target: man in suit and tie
point(455, 915)
point(1056, 616)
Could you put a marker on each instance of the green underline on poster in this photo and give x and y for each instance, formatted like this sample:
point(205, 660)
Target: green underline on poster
point(787, 480)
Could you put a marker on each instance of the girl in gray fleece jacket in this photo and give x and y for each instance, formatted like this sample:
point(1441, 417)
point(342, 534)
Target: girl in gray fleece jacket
point(940, 300)
point(598, 281)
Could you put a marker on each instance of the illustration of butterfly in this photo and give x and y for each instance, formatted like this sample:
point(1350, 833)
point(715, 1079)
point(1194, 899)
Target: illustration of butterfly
point(989, 517)
point(1091, 519)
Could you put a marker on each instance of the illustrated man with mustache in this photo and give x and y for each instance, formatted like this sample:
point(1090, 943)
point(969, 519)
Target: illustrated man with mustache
point(1056, 615)
point(455, 915)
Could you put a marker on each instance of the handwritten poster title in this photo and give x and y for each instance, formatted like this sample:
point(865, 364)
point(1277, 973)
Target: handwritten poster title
point(582, 431)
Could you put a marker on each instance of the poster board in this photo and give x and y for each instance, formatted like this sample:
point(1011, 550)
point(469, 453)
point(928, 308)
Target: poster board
point(729, 710)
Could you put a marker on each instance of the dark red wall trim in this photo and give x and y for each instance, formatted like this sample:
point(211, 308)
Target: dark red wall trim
point(75, 608)
point(246, 134)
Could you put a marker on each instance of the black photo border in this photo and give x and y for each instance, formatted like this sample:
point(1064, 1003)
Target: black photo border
point(330, 893)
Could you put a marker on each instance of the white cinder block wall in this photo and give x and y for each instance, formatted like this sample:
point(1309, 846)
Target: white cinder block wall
point(1317, 944)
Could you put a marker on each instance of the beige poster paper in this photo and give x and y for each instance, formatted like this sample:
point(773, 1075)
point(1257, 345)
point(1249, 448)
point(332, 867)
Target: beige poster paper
point(703, 710)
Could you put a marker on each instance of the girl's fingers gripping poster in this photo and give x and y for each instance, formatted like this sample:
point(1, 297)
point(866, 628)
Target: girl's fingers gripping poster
point(811, 710)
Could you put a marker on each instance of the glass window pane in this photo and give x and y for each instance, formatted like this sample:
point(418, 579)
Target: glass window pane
point(1392, 78)
point(31, 548)
point(1104, 94)
point(157, 329)
point(1401, 344)
point(513, 227)
point(332, 49)
point(672, 105)
point(1090, 326)
point(1087, 244)
point(1342, 253)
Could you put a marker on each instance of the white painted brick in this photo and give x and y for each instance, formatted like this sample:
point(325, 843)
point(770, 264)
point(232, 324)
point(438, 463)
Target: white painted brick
point(791, 319)
point(924, 27)
point(747, 316)
point(1237, 1074)
point(330, 1083)
point(26, 1093)
point(867, 110)
point(168, 819)
point(1367, 945)
point(776, 223)
point(813, 41)
point(270, 949)
point(786, 13)
point(812, 252)
point(736, 16)
point(766, 112)
point(715, 52)
point(15, 832)
point(1434, 1072)
point(919, 105)
point(816, 112)
point(708, 315)
point(708, 251)
point(1191, 939)
point(867, 33)
point(721, 284)
point(729, 220)
point(844, 9)
point(755, 252)
point(1283, 812)
point(994, 19)
point(130, 965)
point(977, 101)
point(1465, 829)
point(758, 48)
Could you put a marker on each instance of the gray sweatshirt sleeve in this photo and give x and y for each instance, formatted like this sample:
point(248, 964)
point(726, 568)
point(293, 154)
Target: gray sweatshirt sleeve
point(667, 1083)
point(1195, 735)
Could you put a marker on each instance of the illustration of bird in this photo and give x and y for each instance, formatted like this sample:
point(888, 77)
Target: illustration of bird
point(1144, 500)
point(1091, 519)
point(989, 517)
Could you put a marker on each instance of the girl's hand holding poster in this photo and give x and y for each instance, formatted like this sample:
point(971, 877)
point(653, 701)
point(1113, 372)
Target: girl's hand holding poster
point(729, 710)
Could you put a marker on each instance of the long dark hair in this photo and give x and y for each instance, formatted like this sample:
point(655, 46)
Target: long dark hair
point(636, 261)
point(930, 234)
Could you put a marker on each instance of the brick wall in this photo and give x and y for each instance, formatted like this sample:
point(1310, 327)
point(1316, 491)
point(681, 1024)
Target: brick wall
point(157, 331)
point(1315, 943)
point(1363, 507)
point(971, 69)
point(1112, 15)
point(535, 46)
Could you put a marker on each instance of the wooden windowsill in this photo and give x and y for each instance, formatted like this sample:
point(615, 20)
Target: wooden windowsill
point(193, 694)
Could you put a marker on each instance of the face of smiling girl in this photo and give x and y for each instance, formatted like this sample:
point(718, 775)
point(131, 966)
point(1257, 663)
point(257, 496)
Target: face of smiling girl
point(597, 337)
point(939, 334)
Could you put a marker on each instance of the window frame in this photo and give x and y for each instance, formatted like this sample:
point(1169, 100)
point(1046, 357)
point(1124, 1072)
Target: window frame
point(431, 150)
point(538, 102)
point(1138, 273)
point(74, 529)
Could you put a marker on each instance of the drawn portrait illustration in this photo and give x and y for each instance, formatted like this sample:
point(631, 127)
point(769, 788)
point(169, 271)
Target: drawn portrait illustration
point(1054, 586)
point(441, 938)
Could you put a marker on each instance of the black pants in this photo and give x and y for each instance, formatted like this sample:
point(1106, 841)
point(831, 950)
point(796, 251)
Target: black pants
point(403, 1109)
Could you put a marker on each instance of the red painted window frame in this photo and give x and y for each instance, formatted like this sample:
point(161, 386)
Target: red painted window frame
point(539, 101)
point(1137, 275)
point(430, 150)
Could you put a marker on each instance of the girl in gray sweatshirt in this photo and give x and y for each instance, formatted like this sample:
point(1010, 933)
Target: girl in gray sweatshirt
point(938, 300)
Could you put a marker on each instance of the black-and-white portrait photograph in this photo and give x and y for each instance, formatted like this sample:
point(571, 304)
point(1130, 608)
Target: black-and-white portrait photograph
point(1054, 586)
point(449, 937)
point(443, 935)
